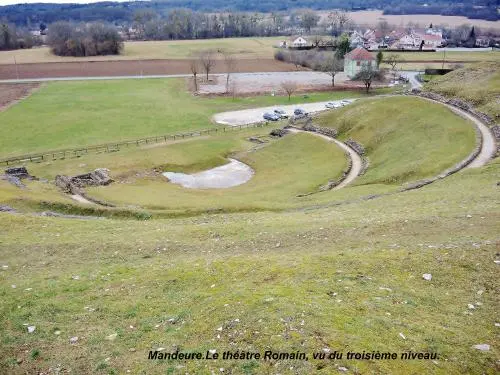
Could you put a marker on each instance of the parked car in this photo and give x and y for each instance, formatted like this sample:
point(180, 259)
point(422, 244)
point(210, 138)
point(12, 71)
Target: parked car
point(333, 105)
point(280, 112)
point(271, 116)
point(344, 102)
point(299, 111)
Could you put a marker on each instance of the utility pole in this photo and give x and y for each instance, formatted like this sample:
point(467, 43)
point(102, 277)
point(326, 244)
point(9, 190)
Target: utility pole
point(17, 69)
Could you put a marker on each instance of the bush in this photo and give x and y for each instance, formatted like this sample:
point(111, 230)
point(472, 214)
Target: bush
point(92, 39)
point(280, 56)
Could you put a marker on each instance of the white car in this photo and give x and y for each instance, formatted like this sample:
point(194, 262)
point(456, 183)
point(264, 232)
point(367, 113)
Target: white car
point(333, 105)
point(345, 102)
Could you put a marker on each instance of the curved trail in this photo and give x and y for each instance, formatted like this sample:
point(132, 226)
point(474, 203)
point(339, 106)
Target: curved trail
point(488, 146)
point(356, 163)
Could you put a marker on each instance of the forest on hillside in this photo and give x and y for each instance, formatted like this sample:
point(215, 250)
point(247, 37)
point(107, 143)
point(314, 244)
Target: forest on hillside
point(29, 15)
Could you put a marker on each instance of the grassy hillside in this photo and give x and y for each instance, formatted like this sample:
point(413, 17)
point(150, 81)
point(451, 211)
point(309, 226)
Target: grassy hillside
point(75, 114)
point(343, 278)
point(479, 84)
point(405, 138)
point(252, 268)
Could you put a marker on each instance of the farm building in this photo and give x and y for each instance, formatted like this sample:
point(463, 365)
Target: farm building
point(295, 42)
point(358, 58)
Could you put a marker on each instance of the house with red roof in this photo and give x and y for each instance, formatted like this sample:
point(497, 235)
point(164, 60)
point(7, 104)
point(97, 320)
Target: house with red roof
point(358, 59)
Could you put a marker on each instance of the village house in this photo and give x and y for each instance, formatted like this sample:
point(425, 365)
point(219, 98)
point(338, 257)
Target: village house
point(432, 41)
point(358, 59)
point(356, 39)
point(296, 42)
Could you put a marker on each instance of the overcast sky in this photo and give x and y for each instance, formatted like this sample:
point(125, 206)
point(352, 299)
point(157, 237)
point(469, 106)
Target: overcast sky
point(9, 2)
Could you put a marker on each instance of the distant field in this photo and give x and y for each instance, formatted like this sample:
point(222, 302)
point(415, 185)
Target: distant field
point(461, 56)
point(372, 17)
point(242, 48)
point(423, 60)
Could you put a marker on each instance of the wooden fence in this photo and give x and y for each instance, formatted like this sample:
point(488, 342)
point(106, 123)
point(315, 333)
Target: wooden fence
point(116, 146)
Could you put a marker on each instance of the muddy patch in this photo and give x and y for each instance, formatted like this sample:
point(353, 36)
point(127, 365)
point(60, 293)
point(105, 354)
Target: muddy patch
point(11, 94)
point(226, 176)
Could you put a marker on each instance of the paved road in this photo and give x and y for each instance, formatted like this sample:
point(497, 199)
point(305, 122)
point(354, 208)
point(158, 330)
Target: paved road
point(412, 76)
point(250, 116)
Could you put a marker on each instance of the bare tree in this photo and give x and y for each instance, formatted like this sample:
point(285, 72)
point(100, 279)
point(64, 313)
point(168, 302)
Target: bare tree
point(383, 27)
point(338, 21)
point(207, 60)
point(230, 63)
point(393, 61)
point(317, 40)
point(289, 87)
point(296, 59)
point(332, 66)
point(233, 89)
point(367, 75)
point(194, 70)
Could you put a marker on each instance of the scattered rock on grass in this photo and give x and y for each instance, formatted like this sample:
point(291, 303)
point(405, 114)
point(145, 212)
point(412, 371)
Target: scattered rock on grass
point(31, 329)
point(112, 337)
point(427, 276)
point(73, 340)
point(482, 347)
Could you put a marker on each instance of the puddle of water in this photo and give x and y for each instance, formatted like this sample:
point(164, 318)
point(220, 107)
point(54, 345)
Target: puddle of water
point(229, 175)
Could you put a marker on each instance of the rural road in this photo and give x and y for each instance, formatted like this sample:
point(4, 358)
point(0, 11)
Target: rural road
point(250, 116)
point(26, 80)
point(356, 166)
point(412, 76)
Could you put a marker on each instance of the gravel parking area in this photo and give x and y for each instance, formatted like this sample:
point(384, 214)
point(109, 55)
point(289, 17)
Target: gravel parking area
point(271, 82)
point(250, 116)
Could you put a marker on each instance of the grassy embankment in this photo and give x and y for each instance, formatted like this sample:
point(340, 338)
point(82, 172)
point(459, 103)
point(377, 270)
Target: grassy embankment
point(478, 84)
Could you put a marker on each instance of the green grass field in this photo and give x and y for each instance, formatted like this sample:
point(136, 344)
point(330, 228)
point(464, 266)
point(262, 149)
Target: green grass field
point(107, 111)
point(251, 268)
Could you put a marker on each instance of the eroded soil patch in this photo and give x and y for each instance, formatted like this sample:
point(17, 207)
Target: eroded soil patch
point(10, 94)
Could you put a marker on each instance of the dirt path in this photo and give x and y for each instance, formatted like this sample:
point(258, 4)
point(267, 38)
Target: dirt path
point(356, 162)
point(80, 199)
point(488, 147)
point(488, 142)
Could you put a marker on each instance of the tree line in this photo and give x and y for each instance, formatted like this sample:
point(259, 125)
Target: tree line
point(92, 39)
point(188, 24)
point(487, 10)
point(15, 38)
point(30, 15)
